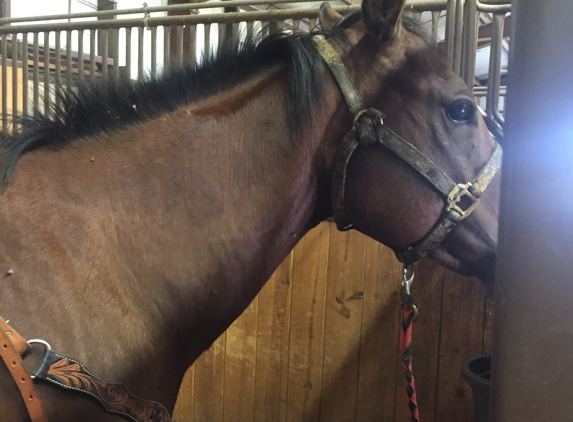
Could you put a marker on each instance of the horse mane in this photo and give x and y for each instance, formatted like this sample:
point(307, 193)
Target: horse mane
point(106, 107)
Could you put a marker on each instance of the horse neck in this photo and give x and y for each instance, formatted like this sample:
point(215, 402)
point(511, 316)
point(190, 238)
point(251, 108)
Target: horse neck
point(165, 231)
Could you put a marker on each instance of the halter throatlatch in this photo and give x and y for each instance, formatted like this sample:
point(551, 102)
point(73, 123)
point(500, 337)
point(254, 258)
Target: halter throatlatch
point(368, 128)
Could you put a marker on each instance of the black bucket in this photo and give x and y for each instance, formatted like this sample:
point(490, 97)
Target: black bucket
point(476, 371)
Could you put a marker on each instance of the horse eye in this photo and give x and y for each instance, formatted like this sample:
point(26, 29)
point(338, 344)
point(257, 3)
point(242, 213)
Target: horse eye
point(460, 111)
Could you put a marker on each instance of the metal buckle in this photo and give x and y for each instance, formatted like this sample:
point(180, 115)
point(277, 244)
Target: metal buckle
point(457, 194)
point(407, 281)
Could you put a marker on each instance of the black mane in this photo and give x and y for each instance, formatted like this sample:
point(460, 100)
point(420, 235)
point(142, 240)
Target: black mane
point(112, 105)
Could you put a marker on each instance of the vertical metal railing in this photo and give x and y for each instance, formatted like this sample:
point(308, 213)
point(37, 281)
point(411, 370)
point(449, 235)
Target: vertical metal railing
point(494, 73)
point(4, 52)
point(63, 53)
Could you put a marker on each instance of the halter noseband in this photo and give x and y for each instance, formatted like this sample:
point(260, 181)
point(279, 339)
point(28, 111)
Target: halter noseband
point(368, 128)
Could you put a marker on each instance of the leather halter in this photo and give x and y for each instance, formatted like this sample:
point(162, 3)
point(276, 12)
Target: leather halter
point(368, 128)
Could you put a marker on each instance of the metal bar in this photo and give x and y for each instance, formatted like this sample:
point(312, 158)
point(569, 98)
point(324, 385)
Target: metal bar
point(47, 63)
point(4, 48)
point(140, 51)
point(533, 344)
point(221, 31)
point(105, 52)
point(69, 74)
point(450, 32)
point(470, 27)
point(280, 25)
point(153, 51)
point(14, 80)
point(296, 26)
point(36, 74)
point(425, 6)
point(235, 26)
point(180, 40)
point(494, 8)
point(494, 73)
point(273, 27)
point(81, 54)
point(250, 31)
point(410, 6)
point(128, 52)
point(25, 74)
point(115, 53)
point(435, 24)
point(482, 90)
point(166, 42)
point(207, 44)
point(92, 53)
point(264, 29)
point(181, 20)
point(58, 68)
point(458, 37)
point(193, 45)
point(312, 24)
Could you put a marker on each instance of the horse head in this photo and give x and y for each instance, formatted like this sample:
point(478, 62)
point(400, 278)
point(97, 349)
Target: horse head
point(424, 102)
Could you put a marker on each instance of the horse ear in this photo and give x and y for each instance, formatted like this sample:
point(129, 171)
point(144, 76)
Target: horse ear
point(383, 18)
point(328, 17)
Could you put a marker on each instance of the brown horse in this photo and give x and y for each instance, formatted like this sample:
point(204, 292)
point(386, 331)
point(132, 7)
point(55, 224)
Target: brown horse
point(141, 219)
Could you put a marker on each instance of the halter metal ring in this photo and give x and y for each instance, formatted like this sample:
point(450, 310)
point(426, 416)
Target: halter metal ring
point(407, 281)
point(40, 341)
point(43, 343)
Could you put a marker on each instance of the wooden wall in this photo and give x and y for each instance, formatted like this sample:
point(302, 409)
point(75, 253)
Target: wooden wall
point(320, 342)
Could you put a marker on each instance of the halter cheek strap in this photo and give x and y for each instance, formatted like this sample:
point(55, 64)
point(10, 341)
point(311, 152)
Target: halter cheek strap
point(368, 128)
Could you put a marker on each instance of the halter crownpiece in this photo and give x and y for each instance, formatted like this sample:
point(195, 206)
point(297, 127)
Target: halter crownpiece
point(368, 128)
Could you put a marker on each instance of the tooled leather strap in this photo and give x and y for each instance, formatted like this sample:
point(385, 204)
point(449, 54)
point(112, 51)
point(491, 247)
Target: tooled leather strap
point(115, 397)
point(12, 347)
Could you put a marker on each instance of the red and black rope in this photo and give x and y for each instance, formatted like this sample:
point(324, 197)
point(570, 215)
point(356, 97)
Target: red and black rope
point(409, 311)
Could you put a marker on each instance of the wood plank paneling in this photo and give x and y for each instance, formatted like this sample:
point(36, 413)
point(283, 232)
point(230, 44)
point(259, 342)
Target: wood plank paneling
point(488, 327)
point(462, 337)
point(239, 383)
point(307, 326)
point(320, 342)
point(273, 330)
point(184, 409)
point(378, 360)
point(209, 379)
point(344, 296)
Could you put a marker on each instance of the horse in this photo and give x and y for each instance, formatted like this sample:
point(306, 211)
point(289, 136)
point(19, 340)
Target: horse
point(140, 219)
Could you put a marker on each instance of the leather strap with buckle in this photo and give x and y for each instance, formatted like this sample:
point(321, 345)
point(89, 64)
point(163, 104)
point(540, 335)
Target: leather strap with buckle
point(12, 348)
point(70, 374)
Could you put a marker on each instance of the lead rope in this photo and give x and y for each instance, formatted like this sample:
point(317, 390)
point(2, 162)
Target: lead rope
point(409, 312)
